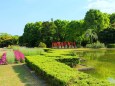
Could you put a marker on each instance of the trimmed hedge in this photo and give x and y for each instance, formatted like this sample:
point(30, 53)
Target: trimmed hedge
point(59, 74)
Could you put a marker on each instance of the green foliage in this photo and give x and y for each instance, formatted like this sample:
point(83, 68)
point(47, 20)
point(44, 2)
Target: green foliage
point(90, 35)
point(107, 36)
point(62, 30)
point(112, 18)
point(69, 61)
point(57, 73)
point(96, 45)
point(10, 56)
point(7, 39)
point(95, 19)
point(111, 45)
point(42, 45)
point(74, 30)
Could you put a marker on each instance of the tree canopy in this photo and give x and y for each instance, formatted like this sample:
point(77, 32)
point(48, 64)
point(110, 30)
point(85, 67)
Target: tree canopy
point(84, 31)
point(95, 19)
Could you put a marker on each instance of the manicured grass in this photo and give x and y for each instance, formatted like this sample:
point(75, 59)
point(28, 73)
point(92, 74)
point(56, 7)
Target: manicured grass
point(18, 75)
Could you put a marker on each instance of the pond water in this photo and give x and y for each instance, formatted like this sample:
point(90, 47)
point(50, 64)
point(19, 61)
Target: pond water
point(103, 62)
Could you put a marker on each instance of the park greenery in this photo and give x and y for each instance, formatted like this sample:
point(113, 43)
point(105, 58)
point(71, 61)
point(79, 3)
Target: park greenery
point(53, 66)
point(96, 26)
point(96, 30)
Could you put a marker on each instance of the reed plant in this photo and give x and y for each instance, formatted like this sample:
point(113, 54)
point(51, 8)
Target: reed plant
point(10, 57)
point(28, 51)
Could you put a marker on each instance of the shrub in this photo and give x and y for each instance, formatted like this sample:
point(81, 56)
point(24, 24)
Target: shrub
point(111, 45)
point(72, 53)
point(3, 59)
point(42, 45)
point(96, 45)
point(69, 61)
point(19, 57)
point(59, 74)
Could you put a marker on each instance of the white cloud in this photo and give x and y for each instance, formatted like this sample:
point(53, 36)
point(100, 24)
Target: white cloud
point(103, 5)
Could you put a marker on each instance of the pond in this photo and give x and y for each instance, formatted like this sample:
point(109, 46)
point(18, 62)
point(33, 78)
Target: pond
point(103, 62)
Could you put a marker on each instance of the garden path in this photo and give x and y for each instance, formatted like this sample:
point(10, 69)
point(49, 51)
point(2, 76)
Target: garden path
point(18, 75)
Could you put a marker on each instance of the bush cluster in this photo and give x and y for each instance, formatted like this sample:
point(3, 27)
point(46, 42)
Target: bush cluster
point(42, 45)
point(59, 74)
point(19, 56)
point(9, 57)
point(96, 45)
point(3, 59)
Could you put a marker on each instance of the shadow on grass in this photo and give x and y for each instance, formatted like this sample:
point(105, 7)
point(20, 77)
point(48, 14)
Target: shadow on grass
point(26, 76)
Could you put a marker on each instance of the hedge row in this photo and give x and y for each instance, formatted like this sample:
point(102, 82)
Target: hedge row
point(59, 74)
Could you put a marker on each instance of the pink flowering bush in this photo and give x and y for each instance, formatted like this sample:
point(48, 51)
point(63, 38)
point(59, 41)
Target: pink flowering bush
point(19, 56)
point(3, 59)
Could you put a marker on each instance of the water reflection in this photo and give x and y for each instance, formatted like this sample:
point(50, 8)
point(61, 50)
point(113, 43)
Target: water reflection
point(103, 62)
point(111, 80)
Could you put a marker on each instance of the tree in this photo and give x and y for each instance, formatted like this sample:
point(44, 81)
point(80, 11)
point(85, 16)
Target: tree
point(7, 39)
point(48, 31)
point(112, 20)
point(90, 35)
point(74, 30)
point(107, 36)
point(31, 35)
point(94, 19)
point(61, 27)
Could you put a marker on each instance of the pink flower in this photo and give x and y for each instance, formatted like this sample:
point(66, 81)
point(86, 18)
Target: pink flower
point(3, 59)
point(19, 55)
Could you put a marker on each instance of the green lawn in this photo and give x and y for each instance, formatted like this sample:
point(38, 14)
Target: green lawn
point(18, 75)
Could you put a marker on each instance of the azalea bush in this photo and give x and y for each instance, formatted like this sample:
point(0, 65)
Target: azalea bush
point(19, 57)
point(3, 59)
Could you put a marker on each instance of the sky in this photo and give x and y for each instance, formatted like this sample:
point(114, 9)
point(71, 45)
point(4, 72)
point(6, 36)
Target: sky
point(15, 14)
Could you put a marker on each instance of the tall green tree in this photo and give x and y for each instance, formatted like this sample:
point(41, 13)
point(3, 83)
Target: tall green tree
point(107, 36)
point(48, 31)
point(7, 39)
point(74, 30)
point(32, 33)
point(112, 20)
point(90, 35)
point(61, 27)
point(95, 19)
